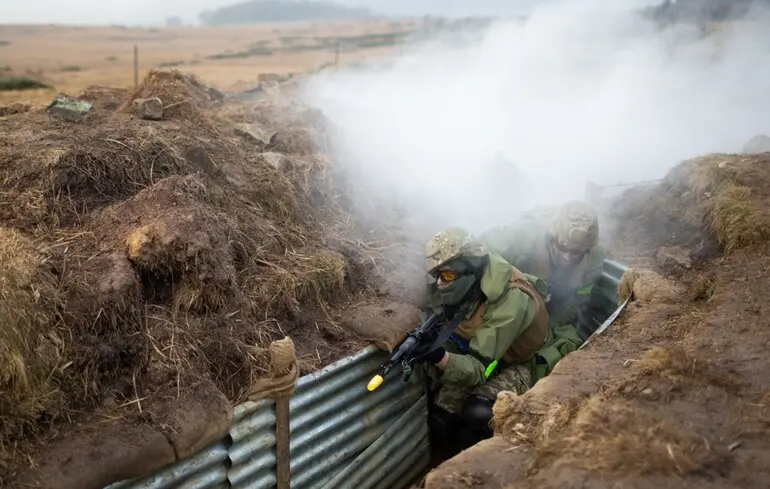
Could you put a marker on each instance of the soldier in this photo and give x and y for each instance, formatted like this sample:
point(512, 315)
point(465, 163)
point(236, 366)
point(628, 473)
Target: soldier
point(495, 346)
point(560, 247)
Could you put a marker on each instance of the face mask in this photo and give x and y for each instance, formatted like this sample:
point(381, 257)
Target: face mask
point(454, 293)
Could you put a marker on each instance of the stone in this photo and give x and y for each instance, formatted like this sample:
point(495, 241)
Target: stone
point(255, 132)
point(69, 108)
point(673, 257)
point(150, 109)
point(276, 160)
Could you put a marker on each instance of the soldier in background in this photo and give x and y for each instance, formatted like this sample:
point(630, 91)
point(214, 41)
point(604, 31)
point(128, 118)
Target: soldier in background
point(560, 246)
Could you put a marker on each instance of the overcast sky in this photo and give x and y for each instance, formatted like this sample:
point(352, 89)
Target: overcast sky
point(154, 11)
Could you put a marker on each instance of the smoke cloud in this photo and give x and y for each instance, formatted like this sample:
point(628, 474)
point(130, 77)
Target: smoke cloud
point(531, 112)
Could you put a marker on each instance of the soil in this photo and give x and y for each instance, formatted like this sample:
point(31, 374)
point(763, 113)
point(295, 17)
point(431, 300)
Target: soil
point(675, 394)
point(147, 266)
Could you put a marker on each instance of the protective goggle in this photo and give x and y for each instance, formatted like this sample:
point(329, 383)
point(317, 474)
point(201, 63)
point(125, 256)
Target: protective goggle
point(567, 251)
point(446, 275)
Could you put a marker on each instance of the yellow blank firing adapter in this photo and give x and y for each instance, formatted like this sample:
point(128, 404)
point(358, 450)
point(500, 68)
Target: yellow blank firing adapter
point(375, 382)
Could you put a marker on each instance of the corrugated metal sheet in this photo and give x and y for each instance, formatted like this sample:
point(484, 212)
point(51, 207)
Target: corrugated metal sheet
point(604, 299)
point(333, 419)
point(384, 461)
point(342, 436)
point(204, 470)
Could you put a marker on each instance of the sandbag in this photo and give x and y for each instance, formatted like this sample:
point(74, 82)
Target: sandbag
point(283, 374)
point(100, 456)
point(197, 419)
point(646, 285)
point(384, 325)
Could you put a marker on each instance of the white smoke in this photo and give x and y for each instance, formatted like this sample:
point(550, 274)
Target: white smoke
point(578, 93)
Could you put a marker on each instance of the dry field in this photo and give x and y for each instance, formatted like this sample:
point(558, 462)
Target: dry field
point(71, 58)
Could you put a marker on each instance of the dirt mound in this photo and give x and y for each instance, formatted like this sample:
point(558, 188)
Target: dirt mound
point(704, 204)
point(183, 95)
point(14, 108)
point(146, 266)
point(675, 394)
point(104, 98)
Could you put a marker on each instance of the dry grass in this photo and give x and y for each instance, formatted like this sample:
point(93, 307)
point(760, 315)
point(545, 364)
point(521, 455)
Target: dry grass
point(738, 217)
point(667, 362)
point(604, 434)
point(105, 54)
point(719, 195)
point(183, 96)
point(515, 417)
point(172, 251)
point(14, 108)
point(610, 432)
point(674, 366)
point(29, 346)
point(297, 278)
point(52, 180)
point(611, 435)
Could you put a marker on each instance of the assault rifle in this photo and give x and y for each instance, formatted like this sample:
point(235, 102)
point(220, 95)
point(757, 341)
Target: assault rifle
point(411, 348)
point(431, 334)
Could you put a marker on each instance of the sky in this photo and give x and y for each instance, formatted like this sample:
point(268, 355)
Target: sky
point(580, 93)
point(154, 11)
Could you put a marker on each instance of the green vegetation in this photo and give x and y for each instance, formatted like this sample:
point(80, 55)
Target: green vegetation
point(112, 58)
point(330, 43)
point(170, 64)
point(248, 53)
point(20, 83)
point(259, 11)
point(4, 43)
point(72, 68)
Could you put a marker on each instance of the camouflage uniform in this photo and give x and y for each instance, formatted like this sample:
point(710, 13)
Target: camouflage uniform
point(516, 378)
point(528, 245)
point(508, 325)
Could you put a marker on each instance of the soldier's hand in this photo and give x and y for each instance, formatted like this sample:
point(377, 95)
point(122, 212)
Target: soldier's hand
point(434, 356)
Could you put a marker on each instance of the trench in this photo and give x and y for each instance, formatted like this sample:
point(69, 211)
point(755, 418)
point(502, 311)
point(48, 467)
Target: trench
point(341, 435)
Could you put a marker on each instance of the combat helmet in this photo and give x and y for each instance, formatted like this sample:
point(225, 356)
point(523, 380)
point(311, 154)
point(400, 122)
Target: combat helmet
point(575, 226)
point(450, 244)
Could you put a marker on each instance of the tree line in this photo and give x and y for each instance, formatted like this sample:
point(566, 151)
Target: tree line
point(258, 11)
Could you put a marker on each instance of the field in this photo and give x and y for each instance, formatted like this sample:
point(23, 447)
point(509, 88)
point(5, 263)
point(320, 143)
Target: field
point(149, 264)
point(70, 59)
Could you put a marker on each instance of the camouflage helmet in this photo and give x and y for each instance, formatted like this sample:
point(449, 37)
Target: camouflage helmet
point(449, 244)
point(575, 226)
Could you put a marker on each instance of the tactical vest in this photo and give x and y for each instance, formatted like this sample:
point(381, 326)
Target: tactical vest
point(535, 333)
